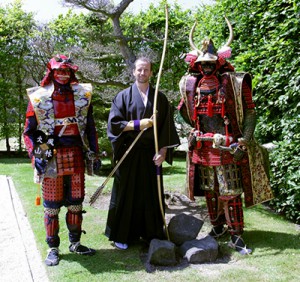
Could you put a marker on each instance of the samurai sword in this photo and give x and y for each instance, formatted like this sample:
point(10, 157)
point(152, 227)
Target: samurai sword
point(232, 148)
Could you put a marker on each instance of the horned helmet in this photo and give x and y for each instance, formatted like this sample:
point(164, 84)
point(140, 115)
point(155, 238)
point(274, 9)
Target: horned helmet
point(207, 52)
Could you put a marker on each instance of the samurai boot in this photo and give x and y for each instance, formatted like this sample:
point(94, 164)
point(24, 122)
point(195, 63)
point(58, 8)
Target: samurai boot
point(79, 249)
point(218, 231)
point(238, 244)
point(52, 257)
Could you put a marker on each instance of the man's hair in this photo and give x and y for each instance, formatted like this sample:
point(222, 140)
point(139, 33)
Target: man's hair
point(143, 59)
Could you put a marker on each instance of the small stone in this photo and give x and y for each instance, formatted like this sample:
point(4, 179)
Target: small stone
point(162, 252)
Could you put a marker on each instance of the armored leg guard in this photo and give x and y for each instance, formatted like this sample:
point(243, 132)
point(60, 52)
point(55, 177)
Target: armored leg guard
point(216, 214)
point(74, 222)
point(218, 231)
point(233, 207)
point(235, 220)
point(52, 227)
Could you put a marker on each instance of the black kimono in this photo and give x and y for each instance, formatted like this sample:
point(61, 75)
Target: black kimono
point(134, 210)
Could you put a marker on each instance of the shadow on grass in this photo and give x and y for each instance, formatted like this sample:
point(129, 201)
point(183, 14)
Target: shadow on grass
point(134, 259)
point(109, 260)
point(270, 241)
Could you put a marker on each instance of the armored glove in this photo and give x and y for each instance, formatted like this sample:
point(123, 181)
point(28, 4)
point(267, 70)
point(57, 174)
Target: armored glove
point(238, 154)
point(40, 165)
point(93, 163)
point(192, 139)
point(248, 131)
point(249, 125)
point(96, 166)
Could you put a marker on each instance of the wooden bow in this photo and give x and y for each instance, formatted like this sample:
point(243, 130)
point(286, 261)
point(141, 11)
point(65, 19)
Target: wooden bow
point(158, 169)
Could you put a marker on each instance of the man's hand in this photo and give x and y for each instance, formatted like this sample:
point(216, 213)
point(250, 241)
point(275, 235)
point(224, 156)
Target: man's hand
point(160, 156)
point(146, 123)
point(139, 124)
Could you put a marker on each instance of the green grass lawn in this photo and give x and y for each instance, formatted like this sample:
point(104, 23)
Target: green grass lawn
point(274, 240)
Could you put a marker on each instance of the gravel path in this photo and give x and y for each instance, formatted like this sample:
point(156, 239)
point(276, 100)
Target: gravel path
point(20, 259)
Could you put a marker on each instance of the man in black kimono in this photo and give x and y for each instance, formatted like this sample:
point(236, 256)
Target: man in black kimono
point(134, 210)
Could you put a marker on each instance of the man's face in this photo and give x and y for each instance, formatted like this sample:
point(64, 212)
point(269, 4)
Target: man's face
point(142, 72)
point(208, 67)
point(62, 76)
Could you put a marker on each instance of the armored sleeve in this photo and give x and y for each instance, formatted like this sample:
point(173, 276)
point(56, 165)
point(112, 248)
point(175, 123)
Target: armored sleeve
point(29, 129)
point(91, 131)
point(250, 115)
point(247, 96)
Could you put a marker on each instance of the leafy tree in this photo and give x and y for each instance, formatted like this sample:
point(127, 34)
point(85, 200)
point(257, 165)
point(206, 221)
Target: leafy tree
point(116, 38)
point(106, 42)
point(15, 29)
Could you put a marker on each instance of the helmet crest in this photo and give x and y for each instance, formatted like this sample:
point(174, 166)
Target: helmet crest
point(61, 62)
point(207, 52)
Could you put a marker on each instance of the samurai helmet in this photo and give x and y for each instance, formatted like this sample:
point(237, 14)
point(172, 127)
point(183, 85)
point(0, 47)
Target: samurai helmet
point(207, 52)
point(59, 62)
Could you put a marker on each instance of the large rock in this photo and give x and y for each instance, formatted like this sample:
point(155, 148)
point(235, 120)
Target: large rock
point(200, 250)
point(162, 252)
point(183, 228)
